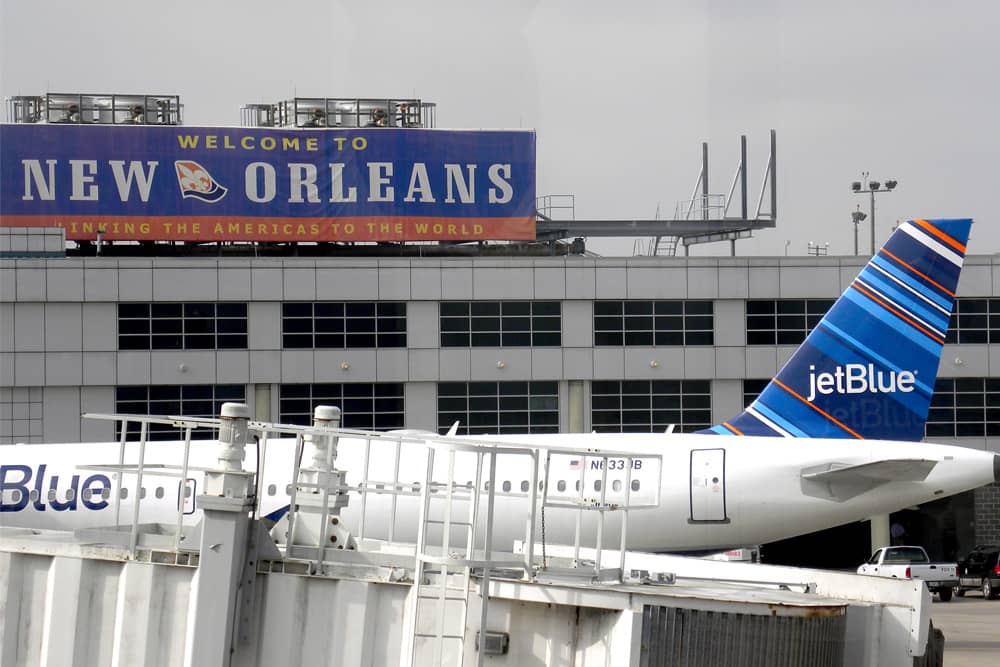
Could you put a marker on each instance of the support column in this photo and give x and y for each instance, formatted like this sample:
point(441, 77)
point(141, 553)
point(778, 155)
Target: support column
point(225, 506)
point(575, 411)
point(880, 532)
point(223, 552)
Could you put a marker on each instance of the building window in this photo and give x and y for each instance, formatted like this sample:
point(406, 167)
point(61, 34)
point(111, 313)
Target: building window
point(783, 321)
point(20, 414)
point(752, 389)
point(182, 326)
point(974, 321)
point(499, 407)
point(195, 400)
point(648, 406)
point(363, 405)
point(501, 324)
point(654, 323)
point(343, 324)
point(964, 408)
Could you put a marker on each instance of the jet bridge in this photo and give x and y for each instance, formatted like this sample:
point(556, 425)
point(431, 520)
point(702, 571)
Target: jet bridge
point(315, 588)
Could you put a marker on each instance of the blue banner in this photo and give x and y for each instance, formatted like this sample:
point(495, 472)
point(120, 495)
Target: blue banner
point(240, 184)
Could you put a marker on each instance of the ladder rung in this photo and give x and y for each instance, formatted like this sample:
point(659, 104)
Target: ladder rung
point(427, 636)
point(454, 523)
point(447, 598)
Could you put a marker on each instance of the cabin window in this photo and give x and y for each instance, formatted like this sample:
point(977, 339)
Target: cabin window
point(577, 485)
point(597, 485)
point(105, 494)
point(142, 493)
point(561, 485)
point(635, 485)
point(124, 493)
point(52, 495)
point(271, 489)
point(616, 485)
point(506, 487)
point(33, 495)
point(288, 489)
point(70, 495)
point(159, 492)
point(525, 486)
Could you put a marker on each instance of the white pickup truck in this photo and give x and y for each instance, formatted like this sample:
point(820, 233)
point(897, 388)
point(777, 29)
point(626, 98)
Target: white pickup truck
point(913, 563)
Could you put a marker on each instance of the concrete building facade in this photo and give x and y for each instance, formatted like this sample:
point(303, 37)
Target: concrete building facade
point(499, 344)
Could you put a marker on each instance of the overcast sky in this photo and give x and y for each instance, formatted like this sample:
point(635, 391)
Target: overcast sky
point(621, 94)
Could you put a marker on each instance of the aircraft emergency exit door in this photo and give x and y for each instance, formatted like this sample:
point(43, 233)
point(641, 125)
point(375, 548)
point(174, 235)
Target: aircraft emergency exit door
point(708, 485)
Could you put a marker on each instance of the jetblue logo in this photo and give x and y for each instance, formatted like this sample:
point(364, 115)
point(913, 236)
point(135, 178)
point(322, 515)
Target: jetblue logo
point(20, 485)
point(859, 379)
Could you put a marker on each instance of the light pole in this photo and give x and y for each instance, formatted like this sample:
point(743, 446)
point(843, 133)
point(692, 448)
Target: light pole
point(870, 187)
point(857, 217)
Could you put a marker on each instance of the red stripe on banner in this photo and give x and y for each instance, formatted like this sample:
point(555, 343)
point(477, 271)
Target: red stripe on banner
point(207, 229)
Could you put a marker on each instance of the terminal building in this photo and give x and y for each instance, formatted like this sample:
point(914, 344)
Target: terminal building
point(501, 338)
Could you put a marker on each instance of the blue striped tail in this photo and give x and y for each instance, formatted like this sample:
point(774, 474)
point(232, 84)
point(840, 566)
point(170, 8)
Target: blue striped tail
point(868, 368)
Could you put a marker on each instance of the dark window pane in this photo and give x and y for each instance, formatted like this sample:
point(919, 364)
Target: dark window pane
point(355, 309)
point(607, 338)
point(329, 309)
point(484, 308)
point(515, 308)
point(165, 310)
point(231, 342)
point(638, 307)
point(669, 308)
point(761, 307)
point(454, 308)
point(547, 339)
point(140, 310)
point(199, 310)
point(553, 308)
point(485, 340)
point(296, 309)
point(454, 340)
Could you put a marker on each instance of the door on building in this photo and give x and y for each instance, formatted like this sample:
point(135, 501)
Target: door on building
point(708, 485)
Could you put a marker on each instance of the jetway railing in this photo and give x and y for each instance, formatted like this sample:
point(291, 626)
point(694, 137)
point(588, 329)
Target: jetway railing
point(423, 470)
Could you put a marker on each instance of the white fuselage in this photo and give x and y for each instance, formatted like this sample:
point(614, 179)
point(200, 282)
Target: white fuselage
point(715, 492)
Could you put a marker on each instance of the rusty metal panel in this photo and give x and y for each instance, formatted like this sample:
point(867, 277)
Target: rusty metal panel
point(696, 638)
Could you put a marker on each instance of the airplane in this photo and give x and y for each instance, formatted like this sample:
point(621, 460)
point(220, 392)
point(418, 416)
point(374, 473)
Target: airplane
point(788, 465)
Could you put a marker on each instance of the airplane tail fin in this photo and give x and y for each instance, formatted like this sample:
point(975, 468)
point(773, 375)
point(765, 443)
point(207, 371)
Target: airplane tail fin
point(868, 368)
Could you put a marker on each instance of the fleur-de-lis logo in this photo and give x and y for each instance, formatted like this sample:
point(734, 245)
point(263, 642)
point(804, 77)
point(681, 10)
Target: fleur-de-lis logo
point(195, 181)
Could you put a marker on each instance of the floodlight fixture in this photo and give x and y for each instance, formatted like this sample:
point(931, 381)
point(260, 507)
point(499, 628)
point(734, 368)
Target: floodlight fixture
point(870, 188)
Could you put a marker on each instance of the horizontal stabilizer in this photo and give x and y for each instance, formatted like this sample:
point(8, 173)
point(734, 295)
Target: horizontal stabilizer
point(840, 481)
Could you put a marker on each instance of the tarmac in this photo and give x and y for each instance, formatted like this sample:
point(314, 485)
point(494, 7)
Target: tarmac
point(971, 627)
